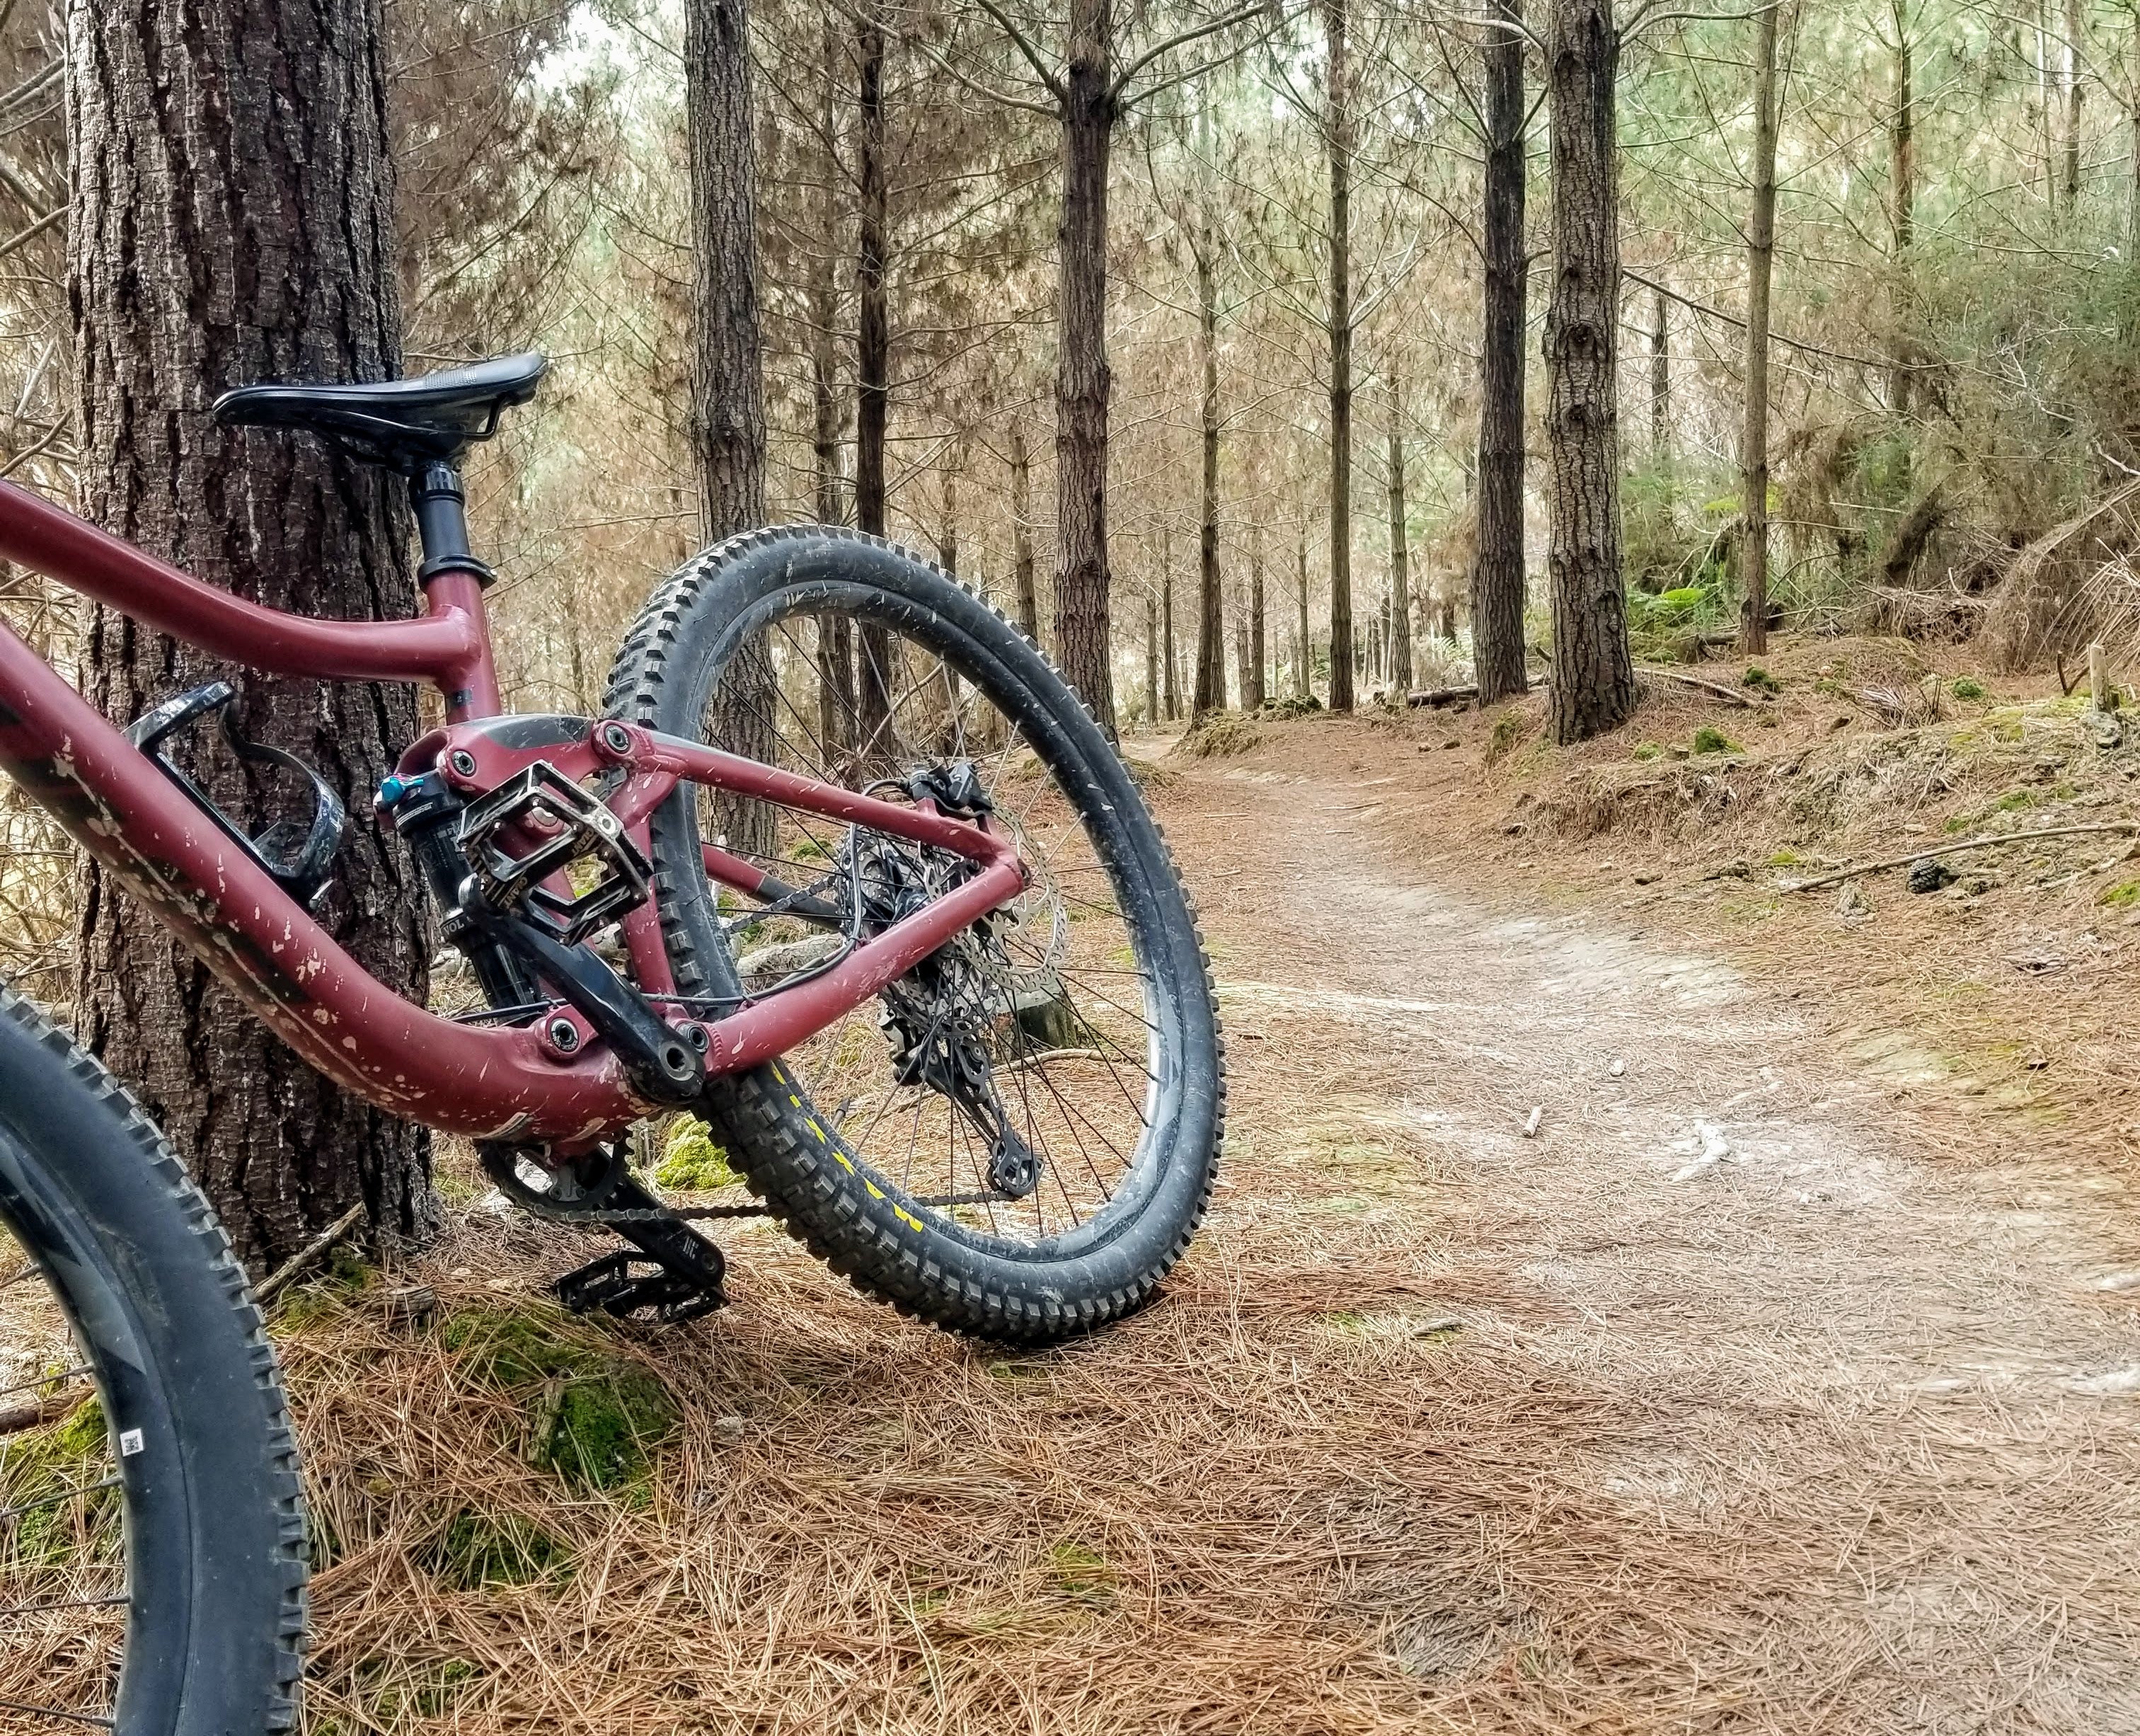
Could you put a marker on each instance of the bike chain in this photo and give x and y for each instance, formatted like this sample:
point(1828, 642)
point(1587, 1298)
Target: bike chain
point(696, 1213)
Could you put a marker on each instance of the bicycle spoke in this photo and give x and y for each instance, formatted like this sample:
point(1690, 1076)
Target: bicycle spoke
point(87, 1718)
point(65, 1373)
point(44, 1501)
point(69, 1603)
point(1040, 1002)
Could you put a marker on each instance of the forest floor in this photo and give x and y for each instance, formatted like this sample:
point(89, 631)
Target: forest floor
point(1786, 1377)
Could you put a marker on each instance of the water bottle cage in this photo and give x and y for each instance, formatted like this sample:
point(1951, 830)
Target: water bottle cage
point(299, 858)
point(522, 839)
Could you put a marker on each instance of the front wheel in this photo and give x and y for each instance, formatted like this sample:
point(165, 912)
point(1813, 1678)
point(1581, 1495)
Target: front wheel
point(1018, 1139)
point(152, 1543)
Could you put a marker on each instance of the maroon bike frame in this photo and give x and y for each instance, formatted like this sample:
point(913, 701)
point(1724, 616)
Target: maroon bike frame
point(486, 1082)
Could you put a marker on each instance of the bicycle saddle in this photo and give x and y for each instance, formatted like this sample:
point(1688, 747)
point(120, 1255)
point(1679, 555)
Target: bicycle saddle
point(430, 418)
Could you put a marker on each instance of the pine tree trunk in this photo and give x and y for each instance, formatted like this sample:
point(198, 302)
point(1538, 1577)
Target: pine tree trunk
point(1594, 676)
point(1082, 382)
point(1761, 266)
point(1400, 549)
point(1660, 378)
point(727, 418)
point(872, 359)
point(2132, 147)
point(1254, 691)
point(1151, 661)
point(1901, 212)
point(1210, 694)
point(727, 390)
point(1303, 682)
point(1338, 136)
point(835, 637)
point(1497, 572)
point(2070, 64)
point(234, 221)
point(1021, 533)
point(1166, 624)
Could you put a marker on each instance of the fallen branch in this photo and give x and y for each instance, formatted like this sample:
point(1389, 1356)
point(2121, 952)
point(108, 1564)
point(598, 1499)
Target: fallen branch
point(1463, 695)
point(14, 1419)
point(304, 1256)
point(1729, 695)
point(1985, 842)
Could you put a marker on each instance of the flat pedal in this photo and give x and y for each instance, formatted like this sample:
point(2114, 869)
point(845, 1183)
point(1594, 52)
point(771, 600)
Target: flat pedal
point(635, 1287)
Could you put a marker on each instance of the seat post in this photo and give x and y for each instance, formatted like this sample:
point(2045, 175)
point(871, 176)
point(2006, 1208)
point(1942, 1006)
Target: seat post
point(434, 490)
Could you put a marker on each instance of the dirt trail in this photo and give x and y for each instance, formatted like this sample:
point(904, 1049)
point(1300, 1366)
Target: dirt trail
point(1740, 1399)
point(1758, 1421)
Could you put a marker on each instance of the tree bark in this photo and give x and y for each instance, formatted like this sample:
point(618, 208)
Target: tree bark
point(872, 353)
point(728, 415)
point(1151, 661)
point(1211, 693)
point(1339, 137)
point(1497, 572)
point(2132, 146)
point(1166, 624)
point(728, 391)
point(835, 646)
point(1660, 378)
point(1761, 266)
point(233, 221)
point(1593, 676)
point(1021, 533)
point(1303, 682)
point(2069, 77)
point(1400, 548)
point(1253, 696)
point(1902, 211)
point(1083, 381)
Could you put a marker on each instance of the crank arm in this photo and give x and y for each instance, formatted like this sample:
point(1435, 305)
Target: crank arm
point(662, 1065)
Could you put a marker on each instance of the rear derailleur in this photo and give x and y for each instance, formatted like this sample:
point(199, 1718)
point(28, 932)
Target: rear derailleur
point(937, 1017)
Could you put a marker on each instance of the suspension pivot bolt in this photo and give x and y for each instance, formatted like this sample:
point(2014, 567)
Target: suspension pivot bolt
point(564, 1035)
point(695, 1034)
point(461, 762)
point(613, 737)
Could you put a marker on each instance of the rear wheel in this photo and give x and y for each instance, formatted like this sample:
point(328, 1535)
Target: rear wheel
point(1017, 1138)
point(152, 1542)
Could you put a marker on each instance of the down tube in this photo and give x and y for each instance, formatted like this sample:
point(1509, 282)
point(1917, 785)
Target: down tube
point(341, 1019)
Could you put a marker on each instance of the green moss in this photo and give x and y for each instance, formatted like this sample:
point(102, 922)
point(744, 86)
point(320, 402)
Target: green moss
point(1508, 732)
point(1786, 859)
point(480, 1549)
point(71, 1453)
point(2120, 897)
point(1760, 680)
point(1648, 751)
point(400, 1689)
point(602, 1428)
point(1709, 739)
point(595, 1419)
point(512, 1347)
point(691, 1161)
point(1962, 688)
point(1081, 1573)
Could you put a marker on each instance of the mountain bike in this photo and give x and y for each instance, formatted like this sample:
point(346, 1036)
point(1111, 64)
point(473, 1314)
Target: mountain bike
point(844, 869)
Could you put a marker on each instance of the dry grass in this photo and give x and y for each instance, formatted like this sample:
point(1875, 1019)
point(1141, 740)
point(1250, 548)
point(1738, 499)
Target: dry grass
point(1437, 1427)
